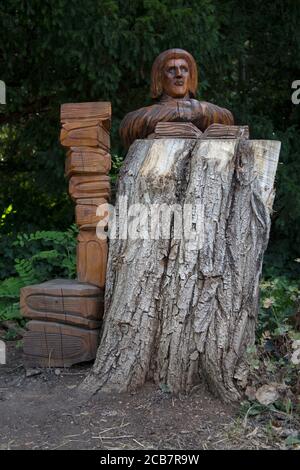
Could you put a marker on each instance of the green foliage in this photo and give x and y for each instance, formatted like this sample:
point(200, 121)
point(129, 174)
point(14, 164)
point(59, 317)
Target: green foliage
point(116, 164)
point(277, 333)
point(279, 301)
point(248, 55)
point(274, 359)
point(43, 255)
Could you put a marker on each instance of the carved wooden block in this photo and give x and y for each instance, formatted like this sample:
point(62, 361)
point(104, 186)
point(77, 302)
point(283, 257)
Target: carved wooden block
point(98, 111)
point(91, 258)
point(87, 160)
point(63, 300)
point(86, 212)
point(85, 133)
point(52, 344)
point(89, 186)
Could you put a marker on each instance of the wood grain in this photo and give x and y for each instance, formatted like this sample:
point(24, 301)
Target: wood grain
point(87, 160)
point(86, 212)
point(98, 111)
point(67, 301)
point(187, 130)
point(85, 134)
point(91, 258)
point(51, 344)
point(89, 186)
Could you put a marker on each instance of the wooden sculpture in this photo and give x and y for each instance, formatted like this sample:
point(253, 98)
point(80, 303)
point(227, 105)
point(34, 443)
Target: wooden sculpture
point(181, 302)
point(174, 82)
point(85, 132)
point(65, 314)
point(65, 320)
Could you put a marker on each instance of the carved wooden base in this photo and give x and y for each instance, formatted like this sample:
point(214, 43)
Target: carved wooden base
point(48, 344)
point(66, 318)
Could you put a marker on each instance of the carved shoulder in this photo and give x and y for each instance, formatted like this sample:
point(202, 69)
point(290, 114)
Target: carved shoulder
point(135, 125)
point(209, 113)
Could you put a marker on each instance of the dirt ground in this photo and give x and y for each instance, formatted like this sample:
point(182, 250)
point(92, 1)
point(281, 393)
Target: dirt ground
point(43, 411)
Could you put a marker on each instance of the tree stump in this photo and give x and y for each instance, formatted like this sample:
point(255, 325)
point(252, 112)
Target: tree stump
point(178, 309)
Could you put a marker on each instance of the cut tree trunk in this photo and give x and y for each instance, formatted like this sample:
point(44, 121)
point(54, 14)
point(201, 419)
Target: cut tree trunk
point(179, 310)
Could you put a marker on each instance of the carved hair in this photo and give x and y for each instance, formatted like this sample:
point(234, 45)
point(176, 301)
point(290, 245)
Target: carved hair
point(157, 70)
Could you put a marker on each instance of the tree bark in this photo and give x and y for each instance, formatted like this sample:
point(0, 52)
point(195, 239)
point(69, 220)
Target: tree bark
point(178, 310)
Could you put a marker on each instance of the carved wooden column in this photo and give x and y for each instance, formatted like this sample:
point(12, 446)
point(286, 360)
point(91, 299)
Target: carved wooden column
point(65, 315)
point(85, 133)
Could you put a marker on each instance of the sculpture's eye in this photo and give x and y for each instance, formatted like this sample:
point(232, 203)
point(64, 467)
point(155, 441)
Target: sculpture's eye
point(171, 69)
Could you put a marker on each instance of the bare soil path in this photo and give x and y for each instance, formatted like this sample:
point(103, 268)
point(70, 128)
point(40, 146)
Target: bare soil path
point(43, 411)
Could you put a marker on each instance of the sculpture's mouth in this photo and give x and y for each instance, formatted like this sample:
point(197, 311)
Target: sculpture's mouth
point(179, 83)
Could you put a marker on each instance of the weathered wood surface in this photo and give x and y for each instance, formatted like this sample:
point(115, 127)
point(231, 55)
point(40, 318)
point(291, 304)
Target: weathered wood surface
point(169, 130)
point(85, 133)
point(178, 310)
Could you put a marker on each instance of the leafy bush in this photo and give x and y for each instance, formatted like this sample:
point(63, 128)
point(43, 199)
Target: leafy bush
point(43, 255)
point(275, 359)
point(279, 302)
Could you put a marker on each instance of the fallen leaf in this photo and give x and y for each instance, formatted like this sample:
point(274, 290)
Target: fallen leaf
point(267, 394)
point(295, 359)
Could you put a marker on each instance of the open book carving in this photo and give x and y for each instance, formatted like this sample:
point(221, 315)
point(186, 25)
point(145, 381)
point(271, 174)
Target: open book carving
point(187, 130)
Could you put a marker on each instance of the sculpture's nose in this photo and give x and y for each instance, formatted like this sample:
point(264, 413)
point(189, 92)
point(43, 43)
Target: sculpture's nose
point(178, 72)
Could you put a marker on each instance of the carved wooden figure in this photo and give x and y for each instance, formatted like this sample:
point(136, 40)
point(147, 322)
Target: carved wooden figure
point(174, 81)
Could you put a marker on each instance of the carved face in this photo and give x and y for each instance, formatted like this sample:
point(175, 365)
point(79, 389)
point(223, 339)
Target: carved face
point(175, 78)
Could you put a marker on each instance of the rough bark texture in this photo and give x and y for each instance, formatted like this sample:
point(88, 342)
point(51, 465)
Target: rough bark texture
point(176, 310)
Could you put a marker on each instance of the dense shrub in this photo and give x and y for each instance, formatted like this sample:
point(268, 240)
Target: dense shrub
point(41, 256)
